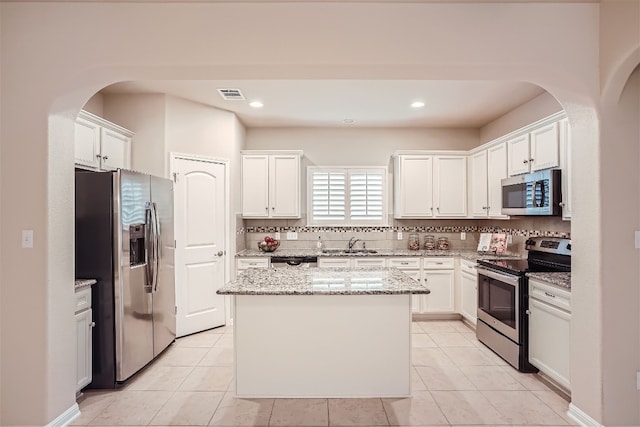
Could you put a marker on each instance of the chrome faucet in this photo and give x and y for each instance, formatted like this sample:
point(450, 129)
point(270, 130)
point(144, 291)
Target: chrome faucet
point(352, 242)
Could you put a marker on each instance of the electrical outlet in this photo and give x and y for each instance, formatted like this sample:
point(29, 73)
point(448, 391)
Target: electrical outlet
point(637, 239)
point(292, 235)
point(463, 235)
point(638, 380)
point(399, 235)
point(277, 235)
point(509, 239)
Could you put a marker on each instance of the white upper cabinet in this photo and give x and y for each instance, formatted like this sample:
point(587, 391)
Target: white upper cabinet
point(478, 184)
point(534, 151)
point(565, 164)
point(518, 155)
point(271, 185)
point(450, 186)
point(427, 186)
point(101, 145)
point(496, 172)
point(487, 169)
point(413, 186)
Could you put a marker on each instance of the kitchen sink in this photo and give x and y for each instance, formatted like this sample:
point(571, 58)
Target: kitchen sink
point(349, 251)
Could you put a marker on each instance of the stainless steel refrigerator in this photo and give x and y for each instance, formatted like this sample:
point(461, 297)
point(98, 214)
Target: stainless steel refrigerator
point(124, 240)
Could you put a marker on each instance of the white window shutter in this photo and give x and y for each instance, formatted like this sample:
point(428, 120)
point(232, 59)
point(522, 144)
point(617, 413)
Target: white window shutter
point(366, 196)
point(328, 196)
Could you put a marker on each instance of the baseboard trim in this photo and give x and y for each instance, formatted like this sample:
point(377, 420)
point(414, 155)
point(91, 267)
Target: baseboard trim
point(581, 417)
point(66, 417)
point(419, 317)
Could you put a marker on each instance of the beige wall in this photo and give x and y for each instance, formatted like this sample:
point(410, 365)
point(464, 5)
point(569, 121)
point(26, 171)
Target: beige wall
point(356, 146)
point(538, 108)
point(254, 40)
point(146, 117)
point(95, 105)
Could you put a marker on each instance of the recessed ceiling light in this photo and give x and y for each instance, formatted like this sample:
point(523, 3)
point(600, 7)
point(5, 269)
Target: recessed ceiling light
point(417, 104)
point(348, 121)
point(256, 104)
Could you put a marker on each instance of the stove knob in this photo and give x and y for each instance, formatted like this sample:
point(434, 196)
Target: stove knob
point(569, 246)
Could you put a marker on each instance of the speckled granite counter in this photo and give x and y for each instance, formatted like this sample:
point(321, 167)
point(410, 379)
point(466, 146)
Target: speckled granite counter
point(317, 252)
point(84, 283)
point(323, 281)
point(466, 254)
point(562, 280)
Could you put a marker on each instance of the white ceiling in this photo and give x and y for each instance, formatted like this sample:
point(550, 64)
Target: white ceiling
point(370, 103)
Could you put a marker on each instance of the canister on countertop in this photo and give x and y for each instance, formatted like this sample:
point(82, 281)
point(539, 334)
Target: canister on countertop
point(414, 241)
point(429, 242)
point(443, 244)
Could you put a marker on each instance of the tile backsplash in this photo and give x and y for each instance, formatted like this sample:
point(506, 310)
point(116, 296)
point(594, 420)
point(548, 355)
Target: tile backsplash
point(386, 237)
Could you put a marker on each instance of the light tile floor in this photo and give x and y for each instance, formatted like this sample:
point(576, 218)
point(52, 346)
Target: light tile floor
point(456, 381)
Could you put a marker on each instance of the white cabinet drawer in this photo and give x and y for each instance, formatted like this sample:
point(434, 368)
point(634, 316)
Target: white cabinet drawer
point(369, 262)
point(244, 263)
point(334, 262)
point(83, 300)
point(552, 295)
point(405, 263)
point(438, 263)
point(468, 267)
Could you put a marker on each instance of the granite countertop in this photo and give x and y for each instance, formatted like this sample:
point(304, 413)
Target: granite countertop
point(466, 254)
point(561, 279)
point(323, 281)
point(84, 283)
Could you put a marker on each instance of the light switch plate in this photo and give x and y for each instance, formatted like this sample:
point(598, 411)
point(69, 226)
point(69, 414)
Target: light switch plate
point(27, 239)
point(509, 239)
point(463, 235)
point(399, 235)
point(292, 235)
point(637, 239)
point(277, 235)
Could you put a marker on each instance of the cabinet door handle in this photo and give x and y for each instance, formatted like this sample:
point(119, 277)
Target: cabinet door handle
point(92, 324)
point(98, 156)
point(531, 160)
point(273, 208)
point(105, 157)
point(525, 161)
point(549, 295)
point(266, 208)
point(528, 312)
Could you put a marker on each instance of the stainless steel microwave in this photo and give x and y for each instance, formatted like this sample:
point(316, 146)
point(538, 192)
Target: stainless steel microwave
point(537, 193)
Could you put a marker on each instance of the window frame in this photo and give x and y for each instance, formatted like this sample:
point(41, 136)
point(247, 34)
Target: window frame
point(348, 171)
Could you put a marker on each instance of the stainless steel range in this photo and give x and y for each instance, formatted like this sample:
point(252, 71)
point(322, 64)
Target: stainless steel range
point(503, 297)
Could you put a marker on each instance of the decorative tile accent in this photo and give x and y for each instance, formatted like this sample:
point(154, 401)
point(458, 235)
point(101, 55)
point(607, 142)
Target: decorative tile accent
point(407, 229)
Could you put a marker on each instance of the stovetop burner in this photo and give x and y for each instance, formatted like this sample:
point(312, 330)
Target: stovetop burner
point(546, 254)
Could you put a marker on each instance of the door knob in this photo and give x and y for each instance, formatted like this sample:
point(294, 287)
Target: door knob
point(220, 253)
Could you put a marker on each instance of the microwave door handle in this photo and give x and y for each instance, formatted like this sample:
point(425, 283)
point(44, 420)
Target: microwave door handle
point(535, 197)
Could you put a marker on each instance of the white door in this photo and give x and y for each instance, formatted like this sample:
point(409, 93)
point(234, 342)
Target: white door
point(199, 206)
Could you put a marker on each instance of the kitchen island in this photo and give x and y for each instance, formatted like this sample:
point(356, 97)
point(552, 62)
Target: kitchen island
point(319, 332)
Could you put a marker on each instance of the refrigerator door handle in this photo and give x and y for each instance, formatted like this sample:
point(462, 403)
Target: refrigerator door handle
point(156, 242)
point(150, 247)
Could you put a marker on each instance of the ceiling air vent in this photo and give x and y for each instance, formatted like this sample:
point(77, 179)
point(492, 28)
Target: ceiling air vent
point(231, 94)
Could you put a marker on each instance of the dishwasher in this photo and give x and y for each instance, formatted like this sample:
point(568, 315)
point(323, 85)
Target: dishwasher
point(294, 261)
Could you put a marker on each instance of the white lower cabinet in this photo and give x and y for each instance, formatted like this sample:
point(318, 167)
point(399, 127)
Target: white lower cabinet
point(438, 273)
point(468, 291)
point(550, 331)
point(84, 327)
point(334, 262)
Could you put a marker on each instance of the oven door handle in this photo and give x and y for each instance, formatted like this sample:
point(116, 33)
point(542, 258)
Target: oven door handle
point(511, 280)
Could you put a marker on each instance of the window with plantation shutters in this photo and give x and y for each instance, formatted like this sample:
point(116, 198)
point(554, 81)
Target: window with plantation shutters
point(347, 196)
